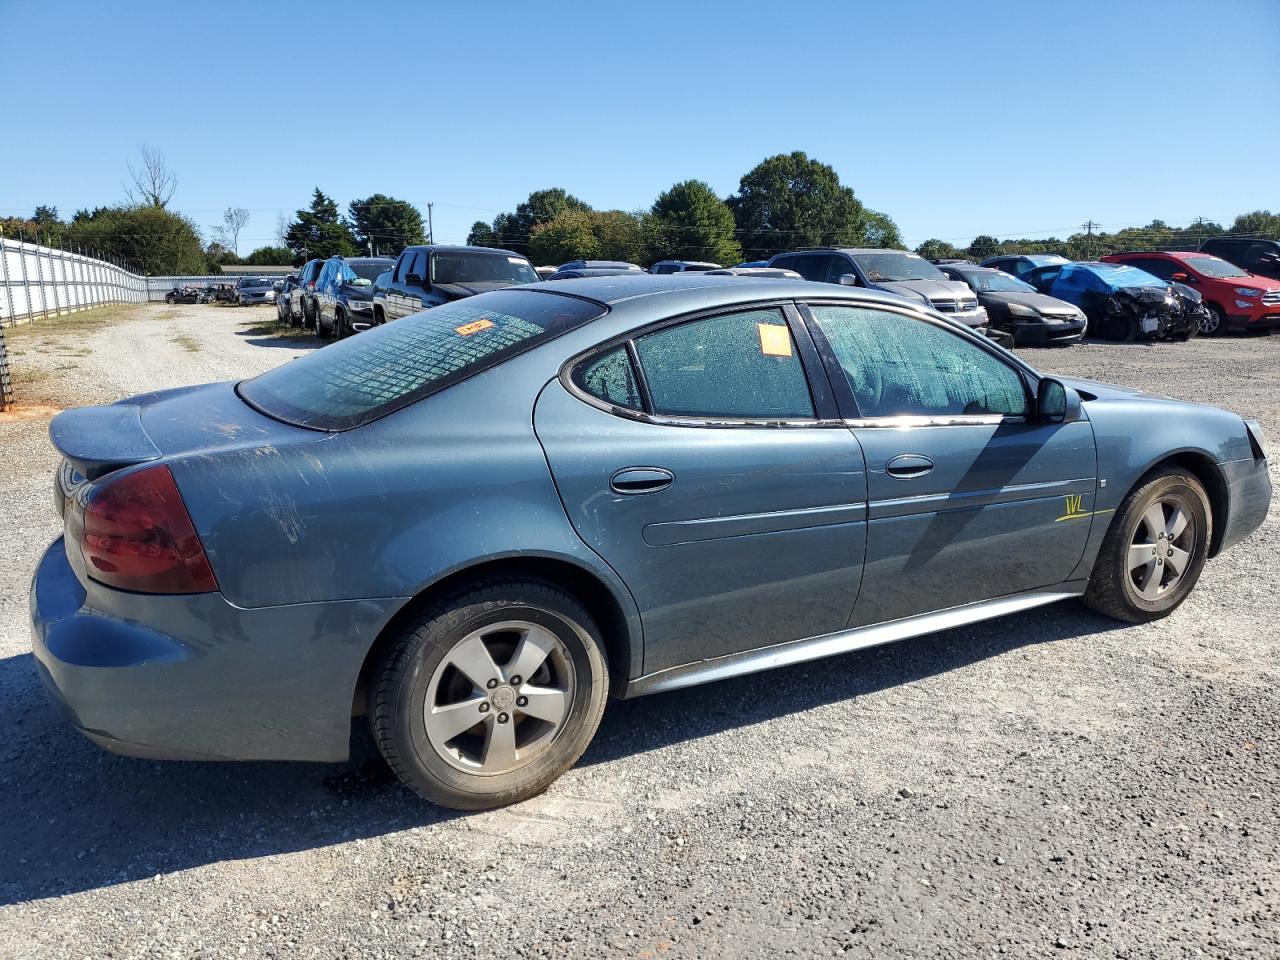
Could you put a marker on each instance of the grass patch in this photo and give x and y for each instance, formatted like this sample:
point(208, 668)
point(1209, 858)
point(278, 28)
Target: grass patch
point(82, 321)
point(275, 329)
point(189, 344)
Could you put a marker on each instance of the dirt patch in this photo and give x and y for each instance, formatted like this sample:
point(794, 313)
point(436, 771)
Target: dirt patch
point(22, 412)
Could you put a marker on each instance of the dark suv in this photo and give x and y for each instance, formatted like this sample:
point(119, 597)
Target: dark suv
point(344, 294)
point(1258, 256)
point(907, 274)
point(302, 303)
point(425, 277)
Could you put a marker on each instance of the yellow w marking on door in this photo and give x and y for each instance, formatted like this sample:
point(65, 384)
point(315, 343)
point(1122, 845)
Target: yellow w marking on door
point(1075, 507)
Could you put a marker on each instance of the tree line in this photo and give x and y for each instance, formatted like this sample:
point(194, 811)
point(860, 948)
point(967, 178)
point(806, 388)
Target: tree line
point(785, 202)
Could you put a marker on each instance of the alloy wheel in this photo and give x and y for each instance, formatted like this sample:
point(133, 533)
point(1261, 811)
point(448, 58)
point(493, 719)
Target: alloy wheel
point(1211, 322)
point(1162, 547)
point(499, 698)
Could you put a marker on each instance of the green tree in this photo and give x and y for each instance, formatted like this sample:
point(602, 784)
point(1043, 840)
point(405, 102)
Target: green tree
point(482, 235)
point(689, 222)
point(319, 232)
point(216, 256)
point(983, 246)
point(270, 257)
point(937, 250)
point(148, 239)
point(1262, 223)
point(567, 237)
point(514, 231)
point(385, 225)
point(791, 201)
point(46, 217)
point(881, 231)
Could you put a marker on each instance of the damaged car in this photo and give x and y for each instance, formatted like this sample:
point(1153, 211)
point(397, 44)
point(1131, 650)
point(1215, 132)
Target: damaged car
point(1015, 307)
point(1122, 303)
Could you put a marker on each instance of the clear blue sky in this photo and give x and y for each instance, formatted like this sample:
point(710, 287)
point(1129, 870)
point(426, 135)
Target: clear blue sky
point(954, 118)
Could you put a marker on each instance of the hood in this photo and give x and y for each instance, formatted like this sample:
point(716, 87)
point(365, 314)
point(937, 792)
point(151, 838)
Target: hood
point(1040, 301)
point(1097, 390)
point(456, 291)
point(928, 289)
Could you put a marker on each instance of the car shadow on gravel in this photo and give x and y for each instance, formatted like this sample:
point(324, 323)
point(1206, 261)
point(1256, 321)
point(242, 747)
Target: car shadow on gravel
point(74, 817)
point(649, 723)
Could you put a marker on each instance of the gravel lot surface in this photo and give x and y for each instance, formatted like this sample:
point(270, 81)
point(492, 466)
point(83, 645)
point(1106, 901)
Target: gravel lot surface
point(1049, 784)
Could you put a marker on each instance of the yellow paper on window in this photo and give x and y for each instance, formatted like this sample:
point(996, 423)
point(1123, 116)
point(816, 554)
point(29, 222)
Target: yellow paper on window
point(475, 326)
point(775, 340)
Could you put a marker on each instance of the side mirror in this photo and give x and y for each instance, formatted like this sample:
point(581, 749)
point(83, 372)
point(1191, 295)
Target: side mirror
point(1180, 278)
point(848, 280)
point(1056, 402)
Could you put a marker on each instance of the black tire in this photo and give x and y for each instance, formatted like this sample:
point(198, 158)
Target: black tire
point(340, 329)
point(1112, 589)
point(1218, 324)
point(399, 691)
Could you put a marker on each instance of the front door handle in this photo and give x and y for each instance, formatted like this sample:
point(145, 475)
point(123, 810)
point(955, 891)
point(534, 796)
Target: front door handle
point(633, 480)
point(907, 466)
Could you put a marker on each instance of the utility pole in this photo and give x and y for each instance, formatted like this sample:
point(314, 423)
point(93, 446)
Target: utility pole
point(431, 230)
point(1089, 226)
point(1199, 223)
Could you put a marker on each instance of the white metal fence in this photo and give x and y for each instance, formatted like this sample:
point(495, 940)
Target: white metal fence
point(38, 281)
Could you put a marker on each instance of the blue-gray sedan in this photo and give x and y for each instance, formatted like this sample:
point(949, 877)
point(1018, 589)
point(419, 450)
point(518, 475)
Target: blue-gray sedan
point(475, 523)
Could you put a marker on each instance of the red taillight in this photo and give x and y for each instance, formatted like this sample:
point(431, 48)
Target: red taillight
point(138, 536)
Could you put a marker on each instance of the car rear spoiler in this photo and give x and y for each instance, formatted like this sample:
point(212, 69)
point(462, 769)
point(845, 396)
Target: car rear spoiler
point(97, 440)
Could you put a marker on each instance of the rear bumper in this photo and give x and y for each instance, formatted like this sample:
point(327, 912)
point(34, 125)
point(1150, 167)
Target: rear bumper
point(210, 681)
point(1249, 496)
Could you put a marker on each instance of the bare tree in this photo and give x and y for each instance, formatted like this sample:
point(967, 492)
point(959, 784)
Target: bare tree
point(228, 232)
point(154, 183)
point(282, 229)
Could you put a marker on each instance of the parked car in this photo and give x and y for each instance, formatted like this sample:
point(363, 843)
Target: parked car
point(751, 263)
point(1018, 308)
point(427, 276)
point(284, 293)
point(940, 261)
point(302, 302)
point(544, 272)
point(601, 265)
point(224, 293)
point(1021, 264)
point(184, 295)
point(1234, 298)
point(899, 272)
point(344, 294)
point(777, 273)
point(254, 290)
point(1121, 302)
point(681, 266)
point(478, 522)
point(579, 273)
point(1258, 255)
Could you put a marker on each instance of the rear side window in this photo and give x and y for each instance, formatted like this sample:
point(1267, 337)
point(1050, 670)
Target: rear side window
point(391, 366)
point(739, 366)
point(611, 378)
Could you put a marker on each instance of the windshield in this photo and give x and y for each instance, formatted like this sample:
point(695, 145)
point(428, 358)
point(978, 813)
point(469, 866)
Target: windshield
point(258, 283)
point(367, 272)
point(995, 281)
point(480, 268)
point(360, 379)
point(897, 266)
point(1214, 267)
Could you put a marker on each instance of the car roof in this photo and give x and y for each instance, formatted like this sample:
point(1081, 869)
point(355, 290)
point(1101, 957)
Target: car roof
point(460, 248)
point(694, 291)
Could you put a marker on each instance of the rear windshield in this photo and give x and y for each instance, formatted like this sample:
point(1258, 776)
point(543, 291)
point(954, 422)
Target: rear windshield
point(362, 378)
point(370, 269)
point(480, 268)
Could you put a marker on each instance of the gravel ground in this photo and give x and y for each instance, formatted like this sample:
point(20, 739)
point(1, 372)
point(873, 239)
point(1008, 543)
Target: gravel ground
point(1049, 784)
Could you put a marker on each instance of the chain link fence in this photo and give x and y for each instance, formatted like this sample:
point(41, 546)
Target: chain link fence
point(37, 282)
point(6, 378)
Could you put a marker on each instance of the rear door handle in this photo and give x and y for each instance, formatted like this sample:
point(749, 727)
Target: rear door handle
point(906, 466)
point(633, 480)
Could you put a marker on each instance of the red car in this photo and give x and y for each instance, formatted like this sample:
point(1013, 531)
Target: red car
point(1237, 299)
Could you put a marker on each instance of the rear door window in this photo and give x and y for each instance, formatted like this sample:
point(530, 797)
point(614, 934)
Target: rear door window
point(360, 379)
point(735, 366)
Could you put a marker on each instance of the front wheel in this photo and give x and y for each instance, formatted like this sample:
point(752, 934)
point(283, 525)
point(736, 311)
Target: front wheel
point(1154, 550)
point(1214, 321)
point(485, 699)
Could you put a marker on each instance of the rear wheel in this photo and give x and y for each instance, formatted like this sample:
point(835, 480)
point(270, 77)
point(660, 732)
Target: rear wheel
point(487, 698)
point(340, 327)
point(1155, 549)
